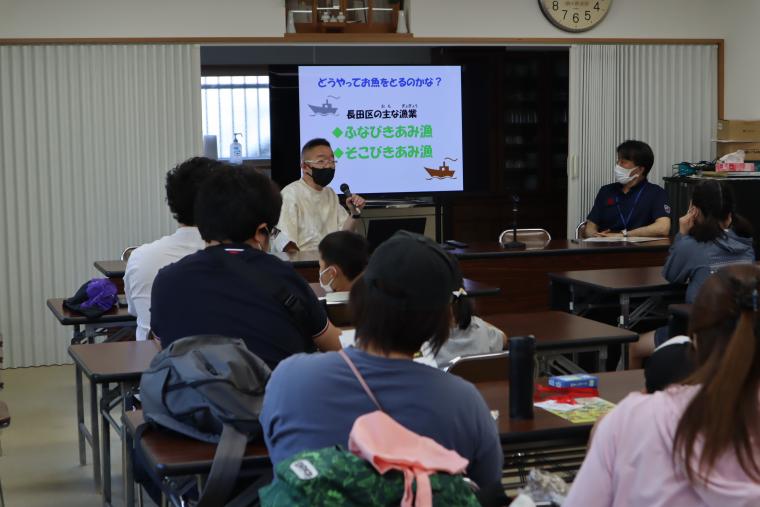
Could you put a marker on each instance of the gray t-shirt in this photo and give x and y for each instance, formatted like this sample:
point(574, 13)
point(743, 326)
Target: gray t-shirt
point(312, 401)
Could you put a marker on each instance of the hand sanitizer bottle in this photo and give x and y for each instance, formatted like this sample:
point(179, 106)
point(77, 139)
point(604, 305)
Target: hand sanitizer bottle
point(236, 150)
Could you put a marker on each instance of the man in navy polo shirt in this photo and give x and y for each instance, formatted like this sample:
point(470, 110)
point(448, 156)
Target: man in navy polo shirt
point(226, 288)
point(632, 206)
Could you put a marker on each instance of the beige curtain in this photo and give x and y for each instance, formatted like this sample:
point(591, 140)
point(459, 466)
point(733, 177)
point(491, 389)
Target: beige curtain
point(87, 134)
point(664, 95)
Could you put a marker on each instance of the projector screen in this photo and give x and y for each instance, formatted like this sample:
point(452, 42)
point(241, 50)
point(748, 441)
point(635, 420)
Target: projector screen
point(394, 129)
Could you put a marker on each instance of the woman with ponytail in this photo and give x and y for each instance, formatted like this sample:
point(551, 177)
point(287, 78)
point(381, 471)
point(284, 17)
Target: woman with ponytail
point(696, 444)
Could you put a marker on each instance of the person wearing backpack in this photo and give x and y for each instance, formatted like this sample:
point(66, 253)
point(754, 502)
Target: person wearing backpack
point(233, 287)
point(403, 298)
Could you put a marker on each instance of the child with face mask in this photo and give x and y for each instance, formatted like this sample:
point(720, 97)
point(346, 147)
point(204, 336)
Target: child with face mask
point(343, 255)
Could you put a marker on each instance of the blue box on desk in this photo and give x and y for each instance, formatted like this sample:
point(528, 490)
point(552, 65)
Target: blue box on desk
point(577, 380)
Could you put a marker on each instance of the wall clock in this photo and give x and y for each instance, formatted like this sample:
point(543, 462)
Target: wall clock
point(575, 15)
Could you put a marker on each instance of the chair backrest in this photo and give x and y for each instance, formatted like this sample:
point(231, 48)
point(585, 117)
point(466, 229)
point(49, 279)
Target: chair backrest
point(580, 230)
point(492, 367)
point(127, 252)
point(535, 238)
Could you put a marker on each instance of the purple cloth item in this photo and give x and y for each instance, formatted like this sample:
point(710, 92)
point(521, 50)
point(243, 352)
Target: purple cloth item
point(101, 294)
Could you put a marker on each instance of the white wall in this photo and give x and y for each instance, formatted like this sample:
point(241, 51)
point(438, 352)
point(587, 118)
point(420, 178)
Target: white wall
point(142, 18)
point(733, 20)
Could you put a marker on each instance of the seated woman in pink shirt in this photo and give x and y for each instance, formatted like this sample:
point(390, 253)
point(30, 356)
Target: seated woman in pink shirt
point(696, 444)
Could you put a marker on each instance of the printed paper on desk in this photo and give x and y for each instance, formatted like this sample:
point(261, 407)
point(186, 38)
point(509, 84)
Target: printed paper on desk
point(620, 239)
point(585, 410)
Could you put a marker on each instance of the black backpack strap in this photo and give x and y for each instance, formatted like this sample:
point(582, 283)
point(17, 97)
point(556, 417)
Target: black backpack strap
point(269, 284)
point(225, 468)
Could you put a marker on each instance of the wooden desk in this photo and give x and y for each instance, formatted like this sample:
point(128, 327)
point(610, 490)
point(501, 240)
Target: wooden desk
point(114, 271)
point(520, 274)
point(560, 333)
point(545, 426)
point(116, 317)
point(103, 364)
point(473, 288)
point(171, 454)
point(645, 283)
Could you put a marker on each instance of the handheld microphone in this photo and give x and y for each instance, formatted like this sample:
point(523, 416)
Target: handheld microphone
point(347, 193)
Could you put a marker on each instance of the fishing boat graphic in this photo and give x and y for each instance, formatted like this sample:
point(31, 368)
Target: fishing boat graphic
point(443, 171)
point(326, 107)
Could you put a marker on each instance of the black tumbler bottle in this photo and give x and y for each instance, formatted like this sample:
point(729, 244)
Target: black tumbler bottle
point(522, 350)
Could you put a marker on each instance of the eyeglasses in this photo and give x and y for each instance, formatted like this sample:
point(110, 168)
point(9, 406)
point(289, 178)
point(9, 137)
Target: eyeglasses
point(322, 163)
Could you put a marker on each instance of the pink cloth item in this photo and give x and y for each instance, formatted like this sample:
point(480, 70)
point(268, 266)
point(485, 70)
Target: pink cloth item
point(388, 445)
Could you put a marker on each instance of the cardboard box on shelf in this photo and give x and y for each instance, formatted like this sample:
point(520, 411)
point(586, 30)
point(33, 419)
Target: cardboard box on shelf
point(738, 130)
point(751, 150)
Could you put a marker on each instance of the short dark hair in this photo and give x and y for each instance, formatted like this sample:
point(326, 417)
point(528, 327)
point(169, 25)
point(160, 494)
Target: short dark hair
point(716, 202)
point(638, 152)
point(347, 250)
point(391, 326)
point(182, 185)
point(234, 201)
point(313, 143)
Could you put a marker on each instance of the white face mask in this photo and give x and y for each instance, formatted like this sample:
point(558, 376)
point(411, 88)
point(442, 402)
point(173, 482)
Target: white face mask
point(623, 175)
point(327, 287)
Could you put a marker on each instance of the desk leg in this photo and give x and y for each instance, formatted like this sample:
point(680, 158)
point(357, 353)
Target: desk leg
point(126, 451)
point(625, 311)
point(602, 355)
point(90, 332)
point(80, 417)
point(105, 401)
point(95, 444)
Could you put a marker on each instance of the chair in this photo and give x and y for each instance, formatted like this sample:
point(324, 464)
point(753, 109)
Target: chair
point(493, 367)
point(127, 252)
point(533, 238)
point(580, 230)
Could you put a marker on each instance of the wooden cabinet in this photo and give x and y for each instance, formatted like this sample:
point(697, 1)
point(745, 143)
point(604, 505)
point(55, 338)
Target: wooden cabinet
point(344, 16)
point(515, 107)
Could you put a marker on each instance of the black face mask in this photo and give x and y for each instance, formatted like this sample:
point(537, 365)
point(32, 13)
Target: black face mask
point(322, 177)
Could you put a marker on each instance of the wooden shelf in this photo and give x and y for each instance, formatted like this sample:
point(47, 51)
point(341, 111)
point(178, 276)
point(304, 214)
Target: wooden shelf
point(349, 37)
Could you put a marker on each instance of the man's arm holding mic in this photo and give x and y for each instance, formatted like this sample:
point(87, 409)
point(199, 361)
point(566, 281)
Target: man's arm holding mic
point(355, 204)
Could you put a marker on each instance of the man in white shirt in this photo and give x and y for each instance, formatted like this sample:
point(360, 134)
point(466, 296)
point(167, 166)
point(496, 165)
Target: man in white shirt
point(182, 184)
point(310, 208)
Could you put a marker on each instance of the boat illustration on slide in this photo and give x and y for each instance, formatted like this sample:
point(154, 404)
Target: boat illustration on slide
point(443, 171)
point(326, 107)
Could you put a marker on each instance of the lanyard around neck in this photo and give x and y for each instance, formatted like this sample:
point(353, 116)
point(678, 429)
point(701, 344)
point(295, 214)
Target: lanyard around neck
point(624, 220)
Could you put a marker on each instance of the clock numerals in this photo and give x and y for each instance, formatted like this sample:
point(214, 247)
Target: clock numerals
point(575, 15)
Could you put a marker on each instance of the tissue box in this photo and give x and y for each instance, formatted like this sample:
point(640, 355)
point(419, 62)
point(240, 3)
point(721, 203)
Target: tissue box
point(578, 380)
point(724, 167)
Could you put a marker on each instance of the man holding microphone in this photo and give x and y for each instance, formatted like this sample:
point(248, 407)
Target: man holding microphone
point(310, 208)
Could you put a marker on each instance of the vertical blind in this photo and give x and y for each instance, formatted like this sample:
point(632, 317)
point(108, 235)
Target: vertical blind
point(87, 133)
point(664, 95)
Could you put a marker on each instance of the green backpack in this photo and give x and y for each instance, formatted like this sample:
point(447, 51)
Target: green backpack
point(335, 477)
